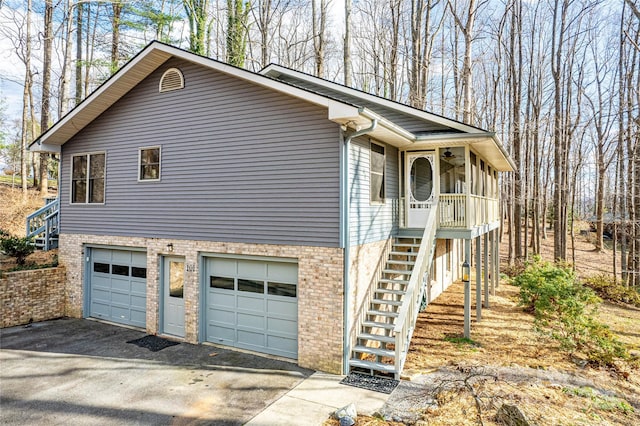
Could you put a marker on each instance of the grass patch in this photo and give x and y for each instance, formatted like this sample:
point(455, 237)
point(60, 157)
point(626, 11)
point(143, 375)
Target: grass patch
point(459, 340)
point(599, 401)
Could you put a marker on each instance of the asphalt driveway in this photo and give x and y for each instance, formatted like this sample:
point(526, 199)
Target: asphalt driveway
point(79, 372)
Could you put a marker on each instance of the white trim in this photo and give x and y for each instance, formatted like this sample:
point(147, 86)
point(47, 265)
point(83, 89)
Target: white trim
point(159, 148)
point(384, 174)
point(104, 179)
point(277, 70)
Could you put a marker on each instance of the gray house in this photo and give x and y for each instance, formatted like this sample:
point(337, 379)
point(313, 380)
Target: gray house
point(273, 211)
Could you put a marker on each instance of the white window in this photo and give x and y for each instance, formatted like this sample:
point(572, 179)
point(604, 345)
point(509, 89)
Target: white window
point(376, 173)
point(149, 163)
point(87, 178)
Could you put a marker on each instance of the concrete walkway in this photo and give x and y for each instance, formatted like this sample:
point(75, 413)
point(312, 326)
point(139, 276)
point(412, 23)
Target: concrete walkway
point(315, 399)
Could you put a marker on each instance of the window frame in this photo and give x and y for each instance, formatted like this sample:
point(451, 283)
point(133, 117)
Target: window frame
point(159, 148)
point(87, 178)
point(383, 174)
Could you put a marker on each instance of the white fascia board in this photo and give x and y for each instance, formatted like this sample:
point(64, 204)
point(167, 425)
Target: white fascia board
point(392, 127)
point(38, 147)
point(277, 70)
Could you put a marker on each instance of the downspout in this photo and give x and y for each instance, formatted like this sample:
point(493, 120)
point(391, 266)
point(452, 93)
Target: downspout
point(345, 204)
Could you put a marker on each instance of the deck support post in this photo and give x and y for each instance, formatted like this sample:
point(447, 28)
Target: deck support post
point(467, 289)
point(486, 268)
point(478, 266)
point(495, 282)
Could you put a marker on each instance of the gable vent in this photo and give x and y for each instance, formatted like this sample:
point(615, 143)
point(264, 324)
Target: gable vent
point(172, 79)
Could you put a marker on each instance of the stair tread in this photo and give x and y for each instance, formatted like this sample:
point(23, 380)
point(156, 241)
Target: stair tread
point(393, 281)
point(375, 324)
point(401, 262)
point(397, 271)
point(390, 291)
point(404, 253)
point(382, 313)
point(378, 337)
point(374, 351)
point(406, 245)
point(386, 302)
point(379, 366)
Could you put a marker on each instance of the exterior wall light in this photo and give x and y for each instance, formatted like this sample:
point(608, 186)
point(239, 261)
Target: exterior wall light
point(466, 271)
point(170, 247)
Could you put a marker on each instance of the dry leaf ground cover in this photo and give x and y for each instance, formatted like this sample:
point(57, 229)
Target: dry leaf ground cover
point(513, 364)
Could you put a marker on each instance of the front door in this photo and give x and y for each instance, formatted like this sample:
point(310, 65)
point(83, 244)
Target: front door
point(421, 187)
point(173, 296)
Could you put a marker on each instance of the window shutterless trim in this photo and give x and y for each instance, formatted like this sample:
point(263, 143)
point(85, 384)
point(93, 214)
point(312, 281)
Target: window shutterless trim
point(383, 174)
point(159, 148)
point(88, 177)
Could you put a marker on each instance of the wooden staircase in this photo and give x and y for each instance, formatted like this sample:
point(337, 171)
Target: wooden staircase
point(374, 352)
point(43, 224)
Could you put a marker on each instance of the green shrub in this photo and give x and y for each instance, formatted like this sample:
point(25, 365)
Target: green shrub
point(16, 247)
point(610, 289)
point(565, 310)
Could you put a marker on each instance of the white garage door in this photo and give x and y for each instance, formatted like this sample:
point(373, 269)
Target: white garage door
point(118, 286)
point(252, 304)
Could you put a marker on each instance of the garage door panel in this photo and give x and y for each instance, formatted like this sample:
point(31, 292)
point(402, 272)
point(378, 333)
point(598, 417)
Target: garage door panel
point(251, 269)
point(226, 267)
point(220, 316)
point(282, 325)
point(282, 308)
point(222, 299)
point(283, 344)
point(218, 333)
point(279, 271)
point(240, 310)
point(252, 321)
point(250, 303)
point(138, 302)
point(101, 309)
point(114, 294)
point(120, 299)
point(251, 338)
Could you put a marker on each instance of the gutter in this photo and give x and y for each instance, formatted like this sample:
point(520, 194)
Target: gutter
point(345, 204)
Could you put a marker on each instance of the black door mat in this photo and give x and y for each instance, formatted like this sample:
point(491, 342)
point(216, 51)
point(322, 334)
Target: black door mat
point(153, 343)
point(364, 381)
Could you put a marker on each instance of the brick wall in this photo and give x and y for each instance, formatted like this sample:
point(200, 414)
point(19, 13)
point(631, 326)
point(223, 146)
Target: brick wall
point(320, 288)
point(31, 296)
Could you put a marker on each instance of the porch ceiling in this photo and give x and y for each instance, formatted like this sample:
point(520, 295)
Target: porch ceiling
point(486, 144)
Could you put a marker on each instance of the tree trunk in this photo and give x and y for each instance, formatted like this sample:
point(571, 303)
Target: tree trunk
point(348, 64)
point(116, 7)
point(46, 91)
point(79, 21)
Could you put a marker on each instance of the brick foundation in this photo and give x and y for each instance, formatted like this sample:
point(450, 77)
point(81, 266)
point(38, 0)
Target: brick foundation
point(320, 287)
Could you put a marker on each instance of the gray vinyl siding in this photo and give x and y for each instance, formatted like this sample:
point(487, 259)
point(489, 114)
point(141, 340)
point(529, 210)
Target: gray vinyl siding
point(240, 163)
point(406, 121)
point(370, 222)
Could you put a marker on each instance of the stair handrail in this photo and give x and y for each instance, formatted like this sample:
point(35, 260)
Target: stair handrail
point(408, 312)
point(45, 221)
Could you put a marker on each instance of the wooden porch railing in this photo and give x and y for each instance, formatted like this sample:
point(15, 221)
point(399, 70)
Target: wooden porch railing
point(455, 212)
